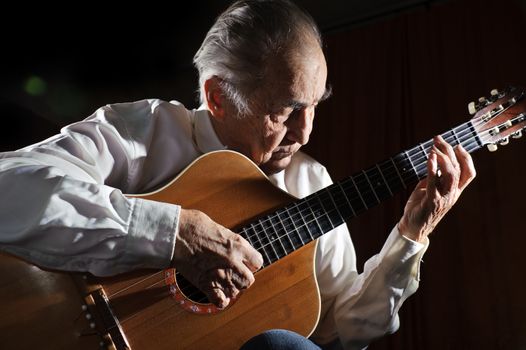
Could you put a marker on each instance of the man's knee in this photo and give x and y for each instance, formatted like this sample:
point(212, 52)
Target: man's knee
point(279, 339)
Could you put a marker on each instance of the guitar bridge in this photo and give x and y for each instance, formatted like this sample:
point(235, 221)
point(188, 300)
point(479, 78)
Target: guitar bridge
point(105, 322)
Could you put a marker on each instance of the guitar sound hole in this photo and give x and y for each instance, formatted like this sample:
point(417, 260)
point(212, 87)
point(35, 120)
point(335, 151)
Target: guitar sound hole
point(190, 291)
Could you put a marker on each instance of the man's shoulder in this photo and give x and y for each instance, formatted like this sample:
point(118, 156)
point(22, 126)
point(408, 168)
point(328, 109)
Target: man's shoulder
point(148, 106)
point(143, 112)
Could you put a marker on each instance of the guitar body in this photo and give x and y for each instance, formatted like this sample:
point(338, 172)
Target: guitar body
point(232, 191)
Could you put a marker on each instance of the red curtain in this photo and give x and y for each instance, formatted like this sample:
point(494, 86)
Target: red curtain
point(397, 82)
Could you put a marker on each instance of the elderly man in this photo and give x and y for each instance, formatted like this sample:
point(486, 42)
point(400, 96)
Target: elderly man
point(262, 73)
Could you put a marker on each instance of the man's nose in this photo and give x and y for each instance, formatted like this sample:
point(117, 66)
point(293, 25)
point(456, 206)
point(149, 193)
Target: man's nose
point(300, 125)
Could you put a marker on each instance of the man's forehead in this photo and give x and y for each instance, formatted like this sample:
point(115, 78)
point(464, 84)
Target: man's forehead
point(297, 103)
point(296, 83)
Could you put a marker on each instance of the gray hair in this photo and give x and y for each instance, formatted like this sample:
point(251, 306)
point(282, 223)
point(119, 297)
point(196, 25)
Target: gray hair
point(243, 38)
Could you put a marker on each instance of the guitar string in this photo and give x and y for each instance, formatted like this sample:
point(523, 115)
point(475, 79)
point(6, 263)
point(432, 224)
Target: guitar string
point(472, 142)
point(426, 145)
point(466, 142)
point(370, 192)
point(184, 289)
point(460, 137)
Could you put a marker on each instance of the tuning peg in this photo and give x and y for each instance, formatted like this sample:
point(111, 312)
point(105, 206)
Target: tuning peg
point(504, 141)
point(471, 108)
point(492, 147)
point(494, 92)
point(517, 134)
point(495, 131)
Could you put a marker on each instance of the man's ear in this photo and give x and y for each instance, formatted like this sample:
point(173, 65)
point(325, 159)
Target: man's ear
point(215, 100)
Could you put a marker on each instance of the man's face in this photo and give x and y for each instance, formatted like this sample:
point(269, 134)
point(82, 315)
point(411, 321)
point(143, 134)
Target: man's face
point(282, 111)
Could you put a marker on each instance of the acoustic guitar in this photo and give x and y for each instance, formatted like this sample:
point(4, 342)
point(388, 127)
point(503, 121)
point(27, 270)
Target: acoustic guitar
point(161, 310)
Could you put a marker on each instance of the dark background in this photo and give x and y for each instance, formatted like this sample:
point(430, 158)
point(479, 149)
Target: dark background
point(401, 71)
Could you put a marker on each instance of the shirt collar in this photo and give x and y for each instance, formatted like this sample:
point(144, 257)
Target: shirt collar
point(204, 133)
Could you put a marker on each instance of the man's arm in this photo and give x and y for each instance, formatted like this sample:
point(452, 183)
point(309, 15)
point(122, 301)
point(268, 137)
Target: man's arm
point(63, 207)
point(364, 306)
point(60, 206)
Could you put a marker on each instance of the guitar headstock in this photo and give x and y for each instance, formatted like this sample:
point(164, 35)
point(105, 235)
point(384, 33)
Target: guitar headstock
point(500, 116)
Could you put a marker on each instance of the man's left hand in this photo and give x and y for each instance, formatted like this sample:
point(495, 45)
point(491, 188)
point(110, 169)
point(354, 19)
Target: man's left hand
point(436, 194)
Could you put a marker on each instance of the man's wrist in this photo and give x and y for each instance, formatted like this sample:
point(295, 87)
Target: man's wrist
point(418, 236)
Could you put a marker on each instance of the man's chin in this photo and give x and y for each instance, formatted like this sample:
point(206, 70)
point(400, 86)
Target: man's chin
point(274, 166)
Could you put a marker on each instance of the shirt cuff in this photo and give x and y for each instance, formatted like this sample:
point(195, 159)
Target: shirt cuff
point(152, 234)
point(403, 253)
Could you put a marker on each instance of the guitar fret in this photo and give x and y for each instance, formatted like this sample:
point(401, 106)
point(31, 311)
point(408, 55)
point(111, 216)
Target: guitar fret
point(411, 162)
point(287, 231)
point(315, 228)
point(267, 239)
point(353, 196)
point(337, 196)
point(455, 136)
point(447, 135)
point(379, 183)
point(321, 214)
point(475, 134)
point(276, 237)
point(303, 224)
point(385, 181)
point(311, 224)
point(338, 210)
point(331, 209)
point(261, 246)
point(400, 176)
point(422, 148)
point(246, 236)
point(293, 234)
point(358, 191)
point(371, 185)
point(346, 198)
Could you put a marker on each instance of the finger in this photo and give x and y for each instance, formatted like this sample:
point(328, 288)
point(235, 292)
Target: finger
point(229, 288)
point(446, 149)
point(218, 286)
point(231, 292)
point(242, 277)
point(467, 168)
point(231, 281)
point(217, 297)
point(250, 256)
point(432, 169)
point(449, 175)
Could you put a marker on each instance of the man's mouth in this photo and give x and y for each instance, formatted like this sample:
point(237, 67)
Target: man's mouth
point(281, 154)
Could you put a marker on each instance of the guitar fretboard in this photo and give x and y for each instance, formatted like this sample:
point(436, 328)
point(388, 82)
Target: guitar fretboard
point(282, 232)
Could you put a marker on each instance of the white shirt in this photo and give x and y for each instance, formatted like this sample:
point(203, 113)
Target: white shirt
point(63, 207)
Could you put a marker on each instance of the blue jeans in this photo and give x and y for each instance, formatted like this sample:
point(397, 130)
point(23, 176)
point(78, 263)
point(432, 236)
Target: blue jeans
point(279, 339)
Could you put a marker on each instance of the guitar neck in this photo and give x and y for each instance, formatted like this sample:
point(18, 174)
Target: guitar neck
point(282, 232)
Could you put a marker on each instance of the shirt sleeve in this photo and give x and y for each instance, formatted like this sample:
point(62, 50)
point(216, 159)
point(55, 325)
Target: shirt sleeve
point(360, 307)
point(62, 205)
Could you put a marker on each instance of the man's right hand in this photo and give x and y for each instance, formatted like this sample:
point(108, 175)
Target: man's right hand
point(214, 259)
